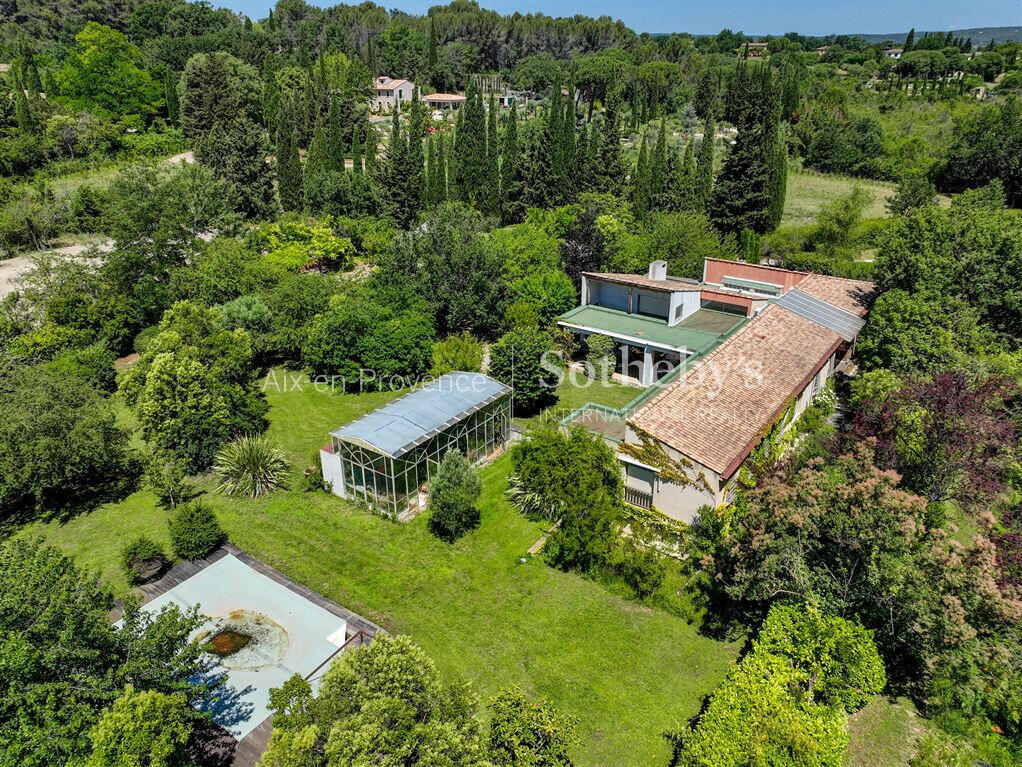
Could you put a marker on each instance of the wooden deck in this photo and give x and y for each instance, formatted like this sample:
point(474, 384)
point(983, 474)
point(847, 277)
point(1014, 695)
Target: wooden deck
point(218, 747)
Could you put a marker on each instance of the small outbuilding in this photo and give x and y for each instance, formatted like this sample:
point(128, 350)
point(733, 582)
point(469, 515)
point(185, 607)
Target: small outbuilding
point(387, 457)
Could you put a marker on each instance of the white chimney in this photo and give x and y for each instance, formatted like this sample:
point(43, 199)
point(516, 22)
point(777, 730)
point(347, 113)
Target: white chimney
point(658, 270)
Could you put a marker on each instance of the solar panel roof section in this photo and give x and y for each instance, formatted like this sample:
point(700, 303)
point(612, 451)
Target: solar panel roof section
point(845, 324)
point(408, 421)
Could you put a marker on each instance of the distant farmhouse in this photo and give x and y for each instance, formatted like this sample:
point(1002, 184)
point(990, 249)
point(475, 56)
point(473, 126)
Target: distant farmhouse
point(444, 101)
point(756, 50)
point(723, 359)
point(894, 53)
point(389, 93)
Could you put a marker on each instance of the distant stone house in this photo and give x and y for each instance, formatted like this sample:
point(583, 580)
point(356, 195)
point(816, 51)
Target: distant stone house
point(389, 93)
point(894, 53)
point(444, 101)
point(756, 50)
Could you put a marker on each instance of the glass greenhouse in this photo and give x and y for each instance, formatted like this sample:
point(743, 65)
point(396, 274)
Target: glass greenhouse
point(387, 457)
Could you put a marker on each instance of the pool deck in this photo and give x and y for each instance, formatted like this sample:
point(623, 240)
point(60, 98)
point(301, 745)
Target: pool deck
point(220, 747)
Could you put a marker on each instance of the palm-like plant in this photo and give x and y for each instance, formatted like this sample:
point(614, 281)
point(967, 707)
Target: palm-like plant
point(251, 466)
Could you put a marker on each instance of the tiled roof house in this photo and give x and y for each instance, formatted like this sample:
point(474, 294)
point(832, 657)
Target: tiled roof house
point(788, 333)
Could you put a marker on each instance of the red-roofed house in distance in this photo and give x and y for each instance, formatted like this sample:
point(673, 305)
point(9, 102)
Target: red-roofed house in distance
point(390, 92)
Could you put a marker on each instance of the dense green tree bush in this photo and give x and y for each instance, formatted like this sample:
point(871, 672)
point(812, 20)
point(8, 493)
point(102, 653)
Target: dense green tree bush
point(460, 352)
point(194, 386)
point(524, 732)
point(61, 449)
point(217, 88)
point(150, 728)
point(453, 493)
point(71, 663)
point(194, 530)
point(524, 360)
point(142, 559)
point(381, 703)
point(783, 704)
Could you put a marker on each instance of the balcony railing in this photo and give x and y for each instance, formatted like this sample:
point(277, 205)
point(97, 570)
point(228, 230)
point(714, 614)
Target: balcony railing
point(639, 498)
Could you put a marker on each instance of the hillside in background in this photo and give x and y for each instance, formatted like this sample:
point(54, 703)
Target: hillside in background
point(980, 35)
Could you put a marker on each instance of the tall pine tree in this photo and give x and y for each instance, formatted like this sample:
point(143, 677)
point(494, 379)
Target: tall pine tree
point(640, 182)
point(491, 197)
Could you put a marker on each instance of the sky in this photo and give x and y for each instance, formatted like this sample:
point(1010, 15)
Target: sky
point(755, 17)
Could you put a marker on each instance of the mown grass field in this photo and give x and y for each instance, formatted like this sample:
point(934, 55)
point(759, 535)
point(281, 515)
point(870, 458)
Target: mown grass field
point(626, 671)
point(808, 192)
point(884, 734)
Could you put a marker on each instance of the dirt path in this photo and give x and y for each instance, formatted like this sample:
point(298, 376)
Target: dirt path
point(14, 269)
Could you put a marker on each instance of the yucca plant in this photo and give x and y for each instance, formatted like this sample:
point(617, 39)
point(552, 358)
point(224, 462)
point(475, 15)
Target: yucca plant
point(251, 466)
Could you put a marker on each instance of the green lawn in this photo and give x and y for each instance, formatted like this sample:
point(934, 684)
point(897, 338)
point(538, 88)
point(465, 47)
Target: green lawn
point(884, 734)
point(628, 672)
point(808, 192)
point(572, 394)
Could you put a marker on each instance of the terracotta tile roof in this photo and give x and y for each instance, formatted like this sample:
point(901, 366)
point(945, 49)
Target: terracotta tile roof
point(855, 296)
point(669, 285)
point(443, 97)
point(718, 410)
point(389, 84)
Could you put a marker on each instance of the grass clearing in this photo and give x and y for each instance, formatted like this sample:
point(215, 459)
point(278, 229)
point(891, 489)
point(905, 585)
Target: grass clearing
point(884, 734)
point(576, 390)
point(627, 671)
point(808, 192)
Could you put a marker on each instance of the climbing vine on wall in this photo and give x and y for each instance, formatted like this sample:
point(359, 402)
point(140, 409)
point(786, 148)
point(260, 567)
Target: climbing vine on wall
point(650, 452)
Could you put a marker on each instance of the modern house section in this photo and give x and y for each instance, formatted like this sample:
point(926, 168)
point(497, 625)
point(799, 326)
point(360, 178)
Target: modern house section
point(386, 458)
point(785, 334)
point(656, 321)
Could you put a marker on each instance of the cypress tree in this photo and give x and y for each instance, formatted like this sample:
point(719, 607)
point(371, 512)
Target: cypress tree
point(640, 192)
point(22, 112)
point(681, 193)
point(582, 164)
point(311, 102)
point(909, 40)
point(741, 195)
point(611, 167)
point(454, 169)
point(170, 95)
point(431, 56)
point(415, 161)
point(512, 181)
point(30, 73)
point(704, 164)
point(658, 170)
point(356, 152)
point(470, 147)
point(431, 193)
point(289, 166)
point(317, 161)
point(491, 196)
point(441, 174)
point(271, 90)
point(706, 94)
point(335, 138)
